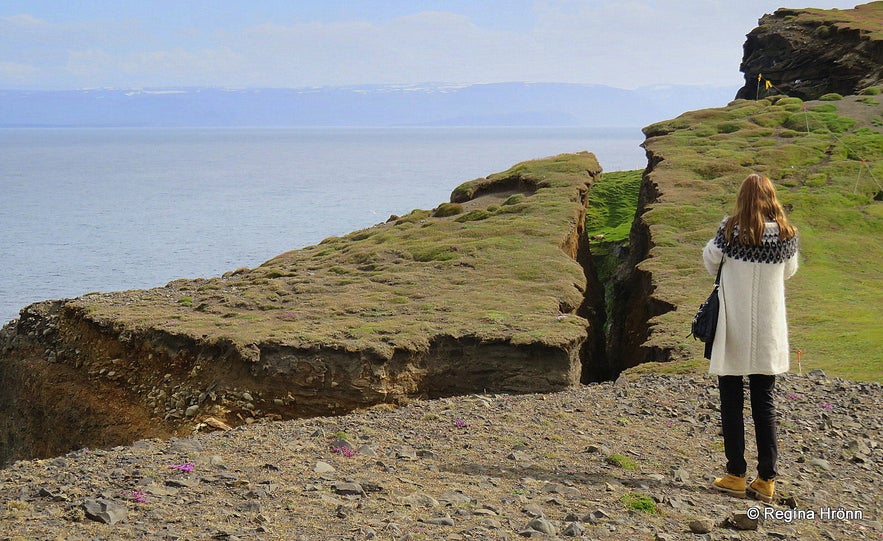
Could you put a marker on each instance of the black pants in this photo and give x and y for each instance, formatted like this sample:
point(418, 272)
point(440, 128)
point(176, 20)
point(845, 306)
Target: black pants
point(763, 411)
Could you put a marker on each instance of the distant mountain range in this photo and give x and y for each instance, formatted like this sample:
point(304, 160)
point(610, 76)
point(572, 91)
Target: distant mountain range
point(500, 104)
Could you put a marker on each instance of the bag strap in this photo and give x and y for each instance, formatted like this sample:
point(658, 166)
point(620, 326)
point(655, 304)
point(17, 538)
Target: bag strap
point(717, 280)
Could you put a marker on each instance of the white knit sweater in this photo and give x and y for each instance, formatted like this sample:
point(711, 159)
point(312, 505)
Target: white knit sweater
point(752, 330)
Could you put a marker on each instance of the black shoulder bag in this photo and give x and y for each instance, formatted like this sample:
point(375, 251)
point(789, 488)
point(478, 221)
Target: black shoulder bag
point(705, 322)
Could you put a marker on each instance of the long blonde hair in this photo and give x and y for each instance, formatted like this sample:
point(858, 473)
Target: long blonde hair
point(756, 203)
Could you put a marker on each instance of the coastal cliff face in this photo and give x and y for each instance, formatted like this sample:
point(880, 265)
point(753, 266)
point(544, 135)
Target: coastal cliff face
point(491, 292)
point(808, 53)
point(494, 291)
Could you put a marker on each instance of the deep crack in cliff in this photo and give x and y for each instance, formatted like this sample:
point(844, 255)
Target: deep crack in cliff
point(85, 382)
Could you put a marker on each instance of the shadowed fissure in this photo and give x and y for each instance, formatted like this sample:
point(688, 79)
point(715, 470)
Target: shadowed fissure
point(619, 301)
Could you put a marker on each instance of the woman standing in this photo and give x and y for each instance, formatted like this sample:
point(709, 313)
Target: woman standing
point(758, 249)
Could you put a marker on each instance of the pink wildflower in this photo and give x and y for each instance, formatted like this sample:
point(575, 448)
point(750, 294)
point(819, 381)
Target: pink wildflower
point(137, 496)
point(344, 450)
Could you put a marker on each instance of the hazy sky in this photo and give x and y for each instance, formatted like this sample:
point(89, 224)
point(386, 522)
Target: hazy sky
point(68, 44)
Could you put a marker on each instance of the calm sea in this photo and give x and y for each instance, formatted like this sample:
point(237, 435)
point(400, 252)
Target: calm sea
point(112, 209)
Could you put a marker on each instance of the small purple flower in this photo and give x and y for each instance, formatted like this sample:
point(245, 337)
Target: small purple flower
point(460, 423)
point(137, 496)
point(827, 406)
point(344, 450)
point(793, 396)
point(186, 467)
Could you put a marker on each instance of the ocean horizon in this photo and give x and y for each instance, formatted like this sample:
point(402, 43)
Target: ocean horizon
point(111, 209)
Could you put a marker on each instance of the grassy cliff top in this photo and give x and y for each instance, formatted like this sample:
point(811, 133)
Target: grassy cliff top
point(866, 18)
point(826, 158)
point(497, 264)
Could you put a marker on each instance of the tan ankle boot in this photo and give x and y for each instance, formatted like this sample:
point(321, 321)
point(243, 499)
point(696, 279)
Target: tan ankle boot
point(733, 485)
point(762, 489)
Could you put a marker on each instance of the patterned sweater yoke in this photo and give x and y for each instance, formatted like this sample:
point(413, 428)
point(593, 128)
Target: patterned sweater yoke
point(770, 249)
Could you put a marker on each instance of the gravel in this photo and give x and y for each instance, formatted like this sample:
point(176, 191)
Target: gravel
point(490, 467)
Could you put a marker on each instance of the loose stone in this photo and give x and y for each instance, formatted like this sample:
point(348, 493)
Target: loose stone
point(703, 525)
point(104, 510)
point(542, 525)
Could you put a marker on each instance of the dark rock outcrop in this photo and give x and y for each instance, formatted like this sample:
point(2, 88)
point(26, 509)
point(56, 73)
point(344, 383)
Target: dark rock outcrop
point(808, 53)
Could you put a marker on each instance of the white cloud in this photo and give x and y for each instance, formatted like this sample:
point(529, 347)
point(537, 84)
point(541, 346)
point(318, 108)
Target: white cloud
point(430, 46)
point(633, 43)
point(21, 73)
point(64, 54)
point(624, 43)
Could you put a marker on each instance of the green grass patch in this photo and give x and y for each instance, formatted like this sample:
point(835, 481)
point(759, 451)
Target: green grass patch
point(824, 162)
point(639, 502)
point(447, 209)
point(612, 204)
point(514, 199)
point(622, 461)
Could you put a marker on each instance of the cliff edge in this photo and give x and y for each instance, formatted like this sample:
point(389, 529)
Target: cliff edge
point(490, 291)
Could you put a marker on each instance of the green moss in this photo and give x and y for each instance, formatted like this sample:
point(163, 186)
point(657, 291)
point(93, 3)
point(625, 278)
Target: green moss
point(818, 179)
point(433, 253)
point(612, 204)
point(447, 209)
point(514, 199)
point(414, 216)
point(771, 119)
point(639, 502)
point(833, 96)
point(813, 121)
point(825, 108)
point(729, 127)
point(718, 167)
point(622, 461)
point(463, 192)
point(474, 215)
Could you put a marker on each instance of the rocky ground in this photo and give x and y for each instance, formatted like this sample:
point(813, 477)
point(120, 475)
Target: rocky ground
point(630, 460)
